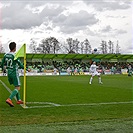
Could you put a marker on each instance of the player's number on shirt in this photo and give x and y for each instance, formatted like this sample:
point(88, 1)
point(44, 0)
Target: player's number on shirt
point(9, 63)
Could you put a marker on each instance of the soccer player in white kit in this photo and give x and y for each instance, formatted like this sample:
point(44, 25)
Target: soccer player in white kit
point(93, 71)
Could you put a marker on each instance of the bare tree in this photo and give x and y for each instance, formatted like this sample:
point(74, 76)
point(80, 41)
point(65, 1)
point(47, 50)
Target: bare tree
point(76, 45)
point(117, 48)
point(44, 46)
point(55, 45)
point(82, 47)
point(69, 46)
point(72, 46)
point(49, 45)
point(33, 46)
point(111, 47)
point(106, 51)
point(103, 47)
point(87, 46)
point(1, 48)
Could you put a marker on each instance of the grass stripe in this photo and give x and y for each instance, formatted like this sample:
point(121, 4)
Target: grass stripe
point(49, 104)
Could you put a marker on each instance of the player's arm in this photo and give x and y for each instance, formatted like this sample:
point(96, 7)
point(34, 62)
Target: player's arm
point(21, 65)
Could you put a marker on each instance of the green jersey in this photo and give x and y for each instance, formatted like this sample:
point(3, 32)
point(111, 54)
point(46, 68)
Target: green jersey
point(12, 68)
point(11, 64)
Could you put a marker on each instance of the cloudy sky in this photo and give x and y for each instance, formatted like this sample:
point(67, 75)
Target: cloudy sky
point(95, 20)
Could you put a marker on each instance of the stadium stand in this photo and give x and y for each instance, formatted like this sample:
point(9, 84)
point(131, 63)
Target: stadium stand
point(77, 63)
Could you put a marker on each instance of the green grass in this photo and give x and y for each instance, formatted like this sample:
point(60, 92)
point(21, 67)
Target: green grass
point(66, 91)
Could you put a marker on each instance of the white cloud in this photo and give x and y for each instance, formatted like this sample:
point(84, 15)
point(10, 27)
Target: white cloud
point(104, 5)
point(91, 19)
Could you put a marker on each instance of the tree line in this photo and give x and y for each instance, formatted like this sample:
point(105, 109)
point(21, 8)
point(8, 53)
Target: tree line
point(51, 45)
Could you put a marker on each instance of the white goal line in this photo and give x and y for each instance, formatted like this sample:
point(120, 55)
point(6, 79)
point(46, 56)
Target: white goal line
point(49, 104)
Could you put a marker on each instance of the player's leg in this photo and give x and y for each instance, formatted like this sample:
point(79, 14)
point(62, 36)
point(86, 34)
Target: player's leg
point(91, 79)
point(99, 78)
point(17, 87)
point(14, 79)
point(14, 93)
point(19, 101)
point(9, 100)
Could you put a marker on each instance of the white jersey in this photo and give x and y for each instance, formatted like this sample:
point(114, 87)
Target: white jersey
point(93, 70)
point(68, 70)
point(55, 71)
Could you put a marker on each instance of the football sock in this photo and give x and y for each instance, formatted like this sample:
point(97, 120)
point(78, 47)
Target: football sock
point(91, 79)
point(14, 92)
point(99, 79)
point(18, 96)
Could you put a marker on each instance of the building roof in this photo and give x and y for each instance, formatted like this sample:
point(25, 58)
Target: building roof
point(77, 56)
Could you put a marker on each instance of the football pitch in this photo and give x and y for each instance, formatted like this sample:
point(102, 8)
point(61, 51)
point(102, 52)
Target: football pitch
point(68, 104)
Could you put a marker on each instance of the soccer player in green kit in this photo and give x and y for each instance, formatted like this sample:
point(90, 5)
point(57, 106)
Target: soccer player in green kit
point(13, 75)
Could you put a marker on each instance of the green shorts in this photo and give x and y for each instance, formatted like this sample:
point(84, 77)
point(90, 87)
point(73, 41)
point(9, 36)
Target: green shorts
point(14, 79)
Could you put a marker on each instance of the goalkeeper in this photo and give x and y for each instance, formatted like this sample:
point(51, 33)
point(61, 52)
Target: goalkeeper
point(12, 72)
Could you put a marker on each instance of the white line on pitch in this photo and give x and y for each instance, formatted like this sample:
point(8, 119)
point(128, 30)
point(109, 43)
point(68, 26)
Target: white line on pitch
point(49, 103)
point(89, 104)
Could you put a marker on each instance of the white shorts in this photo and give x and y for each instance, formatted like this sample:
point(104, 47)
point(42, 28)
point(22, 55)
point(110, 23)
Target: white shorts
point(95, 73)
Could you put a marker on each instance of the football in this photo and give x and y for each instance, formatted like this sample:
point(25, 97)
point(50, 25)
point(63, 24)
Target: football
point(95, 49)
